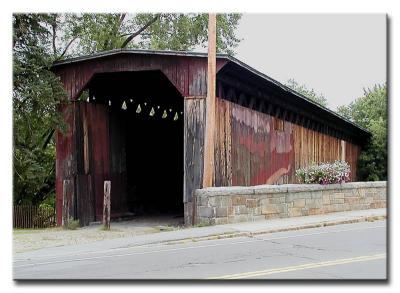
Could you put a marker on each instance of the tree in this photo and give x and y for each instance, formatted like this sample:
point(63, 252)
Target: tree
point(370, 112)
point(308, 93)
point(36, 94)
point(162, 31)
point(41, 39)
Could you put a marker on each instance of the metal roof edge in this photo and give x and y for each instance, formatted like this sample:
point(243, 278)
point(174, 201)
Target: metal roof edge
point(135, 51)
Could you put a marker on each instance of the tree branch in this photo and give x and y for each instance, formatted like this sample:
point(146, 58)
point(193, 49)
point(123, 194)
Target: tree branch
point(149, 23)
point(66, 48)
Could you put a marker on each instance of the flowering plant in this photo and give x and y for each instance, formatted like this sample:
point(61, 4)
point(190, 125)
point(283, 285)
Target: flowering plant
point(325, 173)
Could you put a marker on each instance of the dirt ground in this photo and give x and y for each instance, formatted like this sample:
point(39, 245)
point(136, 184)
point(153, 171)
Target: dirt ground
point(32, 239)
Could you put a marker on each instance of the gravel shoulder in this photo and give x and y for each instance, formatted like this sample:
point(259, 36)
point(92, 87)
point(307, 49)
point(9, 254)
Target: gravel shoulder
point(32, 239)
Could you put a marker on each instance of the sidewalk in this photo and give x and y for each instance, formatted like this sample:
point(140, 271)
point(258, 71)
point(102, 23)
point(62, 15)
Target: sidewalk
point(209, 232)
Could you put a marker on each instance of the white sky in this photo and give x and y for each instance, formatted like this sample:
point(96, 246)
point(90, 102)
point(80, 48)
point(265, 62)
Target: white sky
point(335, 54)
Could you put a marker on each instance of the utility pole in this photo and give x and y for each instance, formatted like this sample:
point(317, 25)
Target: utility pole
point(208, 173)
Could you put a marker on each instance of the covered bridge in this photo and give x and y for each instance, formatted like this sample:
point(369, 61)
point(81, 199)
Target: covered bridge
point(137, 118)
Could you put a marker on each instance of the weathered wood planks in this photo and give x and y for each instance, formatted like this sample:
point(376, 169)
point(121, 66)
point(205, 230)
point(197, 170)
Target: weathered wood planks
point(194, 118)
point(253, 148)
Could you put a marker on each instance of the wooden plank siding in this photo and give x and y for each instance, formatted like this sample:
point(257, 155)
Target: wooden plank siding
point(188, 75)
point(253, 148)
point(194, 121)
point(83, 157)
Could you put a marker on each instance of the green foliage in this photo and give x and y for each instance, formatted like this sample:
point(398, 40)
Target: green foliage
point(36, 94)
point(370, 112)
point(308, 93)
point(41, 39)
point(165, 31)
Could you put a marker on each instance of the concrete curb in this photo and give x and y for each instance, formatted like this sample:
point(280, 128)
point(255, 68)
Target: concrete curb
point(268, 231)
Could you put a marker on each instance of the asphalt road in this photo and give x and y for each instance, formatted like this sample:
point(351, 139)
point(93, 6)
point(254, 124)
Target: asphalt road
point(351, 251)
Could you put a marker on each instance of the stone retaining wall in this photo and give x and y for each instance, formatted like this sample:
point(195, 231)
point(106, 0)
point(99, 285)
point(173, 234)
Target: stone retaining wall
point(222, 205)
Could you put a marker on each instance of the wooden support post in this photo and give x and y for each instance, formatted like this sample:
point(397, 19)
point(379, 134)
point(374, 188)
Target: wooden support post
point(65, 205)
point(208, 172)
point(107, 205)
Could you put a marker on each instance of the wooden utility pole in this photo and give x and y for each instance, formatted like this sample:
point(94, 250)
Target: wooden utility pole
point(208, 173)
point(107, 205)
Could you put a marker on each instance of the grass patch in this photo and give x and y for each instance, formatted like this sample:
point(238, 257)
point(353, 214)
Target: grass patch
point(73, 224)
point(202, 224)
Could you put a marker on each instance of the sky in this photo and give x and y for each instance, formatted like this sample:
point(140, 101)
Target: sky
point(338, 55)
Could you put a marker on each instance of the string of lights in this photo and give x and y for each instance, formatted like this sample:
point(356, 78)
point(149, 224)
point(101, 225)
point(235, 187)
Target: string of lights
point(154, 110)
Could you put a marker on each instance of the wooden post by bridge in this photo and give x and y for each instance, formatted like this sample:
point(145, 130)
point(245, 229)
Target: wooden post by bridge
point(67, 189)
point(107, 205)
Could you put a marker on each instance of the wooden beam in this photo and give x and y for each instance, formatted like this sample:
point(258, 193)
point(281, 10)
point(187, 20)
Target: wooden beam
point(208, 172)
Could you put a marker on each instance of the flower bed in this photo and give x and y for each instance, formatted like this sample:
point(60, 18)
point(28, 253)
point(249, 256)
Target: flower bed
point(325, 173)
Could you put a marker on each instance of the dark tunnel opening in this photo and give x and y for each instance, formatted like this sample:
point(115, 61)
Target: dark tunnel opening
point(146, 142)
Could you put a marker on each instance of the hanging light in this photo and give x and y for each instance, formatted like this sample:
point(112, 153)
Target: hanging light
point(145, 103)
point(131, 100)
point(109, 102)
point(170, 110)
point(181, 113)
point(87, 100)
point(176, 116)
point(152, 111)
point(94, 98)
point(138, 109)
point(158, 107)
point(124, 107)
point(164, 115)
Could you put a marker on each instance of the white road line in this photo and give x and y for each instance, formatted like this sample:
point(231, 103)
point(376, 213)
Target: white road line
point(183, 248)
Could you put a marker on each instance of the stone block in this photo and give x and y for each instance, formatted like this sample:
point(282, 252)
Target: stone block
point(240, 210)
point(230, 211)
point(292, 196)
point(299, 203)
point(251, 203)
point(277, 200)
point(295, 212)
point(316, 211)
point(337, 200)
point(304, 212)
point(238, 219)
point(205, 212)
point(328, 209)
point(202, 200)
point(378, 204)
point(221, 221)
point(271, 209)
point(314, 203)
point(238, 200)
point(316, 194)
point(270, 189)
point(325, 199)
point(273, 216)
point(254, 218)
point(338, 207)
point(221, 212)
point(351, 200)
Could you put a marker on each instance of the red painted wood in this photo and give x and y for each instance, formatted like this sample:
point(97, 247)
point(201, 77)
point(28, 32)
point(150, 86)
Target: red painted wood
point(267, 150)
point(187, 74)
